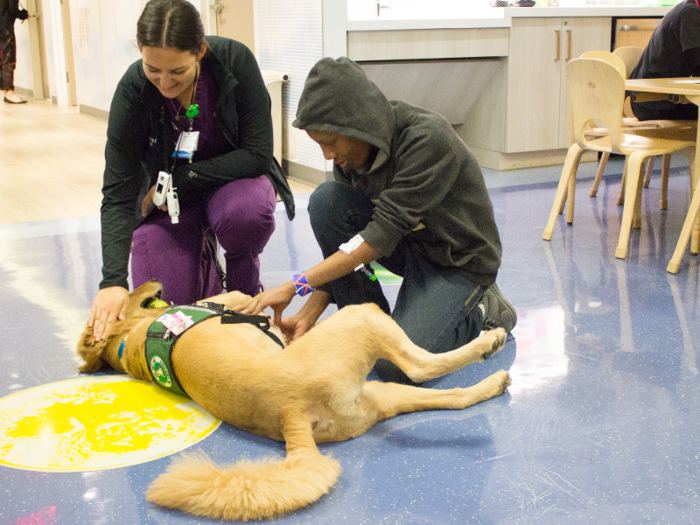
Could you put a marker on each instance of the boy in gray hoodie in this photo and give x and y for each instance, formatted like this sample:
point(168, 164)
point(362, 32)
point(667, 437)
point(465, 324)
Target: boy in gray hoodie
point(408, 194)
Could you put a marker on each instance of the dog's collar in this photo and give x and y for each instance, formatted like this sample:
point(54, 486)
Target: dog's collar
point(160, 340)
point(121, 348)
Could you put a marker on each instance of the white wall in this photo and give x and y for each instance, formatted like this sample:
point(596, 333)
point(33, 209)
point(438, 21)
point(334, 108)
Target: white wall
point(23, 74)
point(289, 39)
point(104, 45)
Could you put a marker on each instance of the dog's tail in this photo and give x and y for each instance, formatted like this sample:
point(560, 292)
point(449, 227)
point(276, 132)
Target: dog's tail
point(248, 490)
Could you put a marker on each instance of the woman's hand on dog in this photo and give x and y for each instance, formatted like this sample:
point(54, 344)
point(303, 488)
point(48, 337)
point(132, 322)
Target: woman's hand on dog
point(109, 305)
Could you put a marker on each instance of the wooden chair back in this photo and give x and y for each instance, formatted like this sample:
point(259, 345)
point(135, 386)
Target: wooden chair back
point(597, 95)
point(609, 57)
point(630, 55)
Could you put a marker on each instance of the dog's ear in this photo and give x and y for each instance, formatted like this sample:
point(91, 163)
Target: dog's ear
point(91, 351)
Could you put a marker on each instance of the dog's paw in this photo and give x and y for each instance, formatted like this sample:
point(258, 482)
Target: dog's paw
point(498, 383)
point(499, 340)
point(505, 381)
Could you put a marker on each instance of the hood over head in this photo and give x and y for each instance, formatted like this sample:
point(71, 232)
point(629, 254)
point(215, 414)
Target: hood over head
point(339, 98)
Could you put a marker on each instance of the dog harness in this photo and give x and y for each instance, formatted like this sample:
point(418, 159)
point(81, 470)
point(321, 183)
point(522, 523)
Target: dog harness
point(164, 332)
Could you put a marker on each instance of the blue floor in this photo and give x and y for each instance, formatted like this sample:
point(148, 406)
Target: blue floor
point(598, 427)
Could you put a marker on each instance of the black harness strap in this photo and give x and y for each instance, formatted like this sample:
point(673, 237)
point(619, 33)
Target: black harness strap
point(232, 317)
point(262, 322)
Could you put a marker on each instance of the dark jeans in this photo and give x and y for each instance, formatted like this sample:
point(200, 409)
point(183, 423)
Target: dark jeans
point(435, 304)
point(664, 110)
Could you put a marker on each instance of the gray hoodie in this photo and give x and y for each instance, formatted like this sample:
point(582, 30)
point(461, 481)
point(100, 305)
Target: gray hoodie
point(424, 183)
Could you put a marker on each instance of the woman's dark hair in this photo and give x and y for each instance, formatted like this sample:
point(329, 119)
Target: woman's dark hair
point(170, 23)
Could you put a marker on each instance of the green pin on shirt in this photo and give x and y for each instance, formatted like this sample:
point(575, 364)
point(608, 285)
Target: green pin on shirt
point(192, 111)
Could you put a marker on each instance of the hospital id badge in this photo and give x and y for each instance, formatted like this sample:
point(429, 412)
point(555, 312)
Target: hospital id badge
point(187, 144)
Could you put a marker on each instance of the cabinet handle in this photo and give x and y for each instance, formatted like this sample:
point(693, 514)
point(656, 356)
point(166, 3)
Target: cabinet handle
point(558, 44)
point(568, 34)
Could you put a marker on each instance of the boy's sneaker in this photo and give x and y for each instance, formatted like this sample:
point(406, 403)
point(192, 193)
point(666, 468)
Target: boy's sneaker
point(498, 312)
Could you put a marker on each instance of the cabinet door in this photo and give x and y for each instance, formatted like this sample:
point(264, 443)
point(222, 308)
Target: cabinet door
point(578, 36)
point(534, 84)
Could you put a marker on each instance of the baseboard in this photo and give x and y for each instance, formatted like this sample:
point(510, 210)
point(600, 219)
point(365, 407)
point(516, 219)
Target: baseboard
point(94, 112)
point(497, 160)
point(24, 92)
point(305, 174)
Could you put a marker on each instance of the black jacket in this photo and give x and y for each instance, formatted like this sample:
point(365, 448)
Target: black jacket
point(9, 12)
point(140, 143)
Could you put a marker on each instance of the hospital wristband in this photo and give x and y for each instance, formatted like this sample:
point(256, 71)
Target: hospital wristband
point(302, 284)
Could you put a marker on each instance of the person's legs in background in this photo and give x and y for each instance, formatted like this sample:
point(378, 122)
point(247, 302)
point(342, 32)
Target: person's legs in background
point(664, 110)
point(8, 52)
point(174, 255)
point(242, 215)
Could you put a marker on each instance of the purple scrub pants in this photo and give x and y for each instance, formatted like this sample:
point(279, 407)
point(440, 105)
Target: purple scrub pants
point(241, 214)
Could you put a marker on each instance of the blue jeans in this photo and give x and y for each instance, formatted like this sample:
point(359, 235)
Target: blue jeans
point(435, 304)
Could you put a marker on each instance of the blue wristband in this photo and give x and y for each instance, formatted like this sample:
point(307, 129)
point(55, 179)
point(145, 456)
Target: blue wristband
point(301, 284)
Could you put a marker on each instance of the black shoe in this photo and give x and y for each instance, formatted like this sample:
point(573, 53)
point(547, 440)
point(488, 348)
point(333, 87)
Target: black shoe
point(498, 312)
point(21, 101)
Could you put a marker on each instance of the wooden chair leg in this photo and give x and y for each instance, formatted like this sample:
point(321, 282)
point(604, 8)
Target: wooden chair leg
point(572, 159)
point(563, 202)
point(599, 175)
point(690, 153)
point(571, 196)
point(689, 224)
point(637, 217)
point(665, 170)
point(695, 238)
point(648, 172)
point(574, 168)
point(621, 197)
point(633, 175)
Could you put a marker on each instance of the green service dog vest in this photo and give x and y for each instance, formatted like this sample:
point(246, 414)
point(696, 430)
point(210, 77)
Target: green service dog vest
point(167, 329)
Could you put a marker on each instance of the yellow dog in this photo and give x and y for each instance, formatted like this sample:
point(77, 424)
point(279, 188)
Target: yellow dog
point(313, 391)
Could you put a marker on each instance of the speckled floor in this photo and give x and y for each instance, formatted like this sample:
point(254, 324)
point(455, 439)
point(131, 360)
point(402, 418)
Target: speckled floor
point(599, 425)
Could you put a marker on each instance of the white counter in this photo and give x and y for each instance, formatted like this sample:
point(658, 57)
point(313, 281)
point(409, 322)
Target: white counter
point(500, 17)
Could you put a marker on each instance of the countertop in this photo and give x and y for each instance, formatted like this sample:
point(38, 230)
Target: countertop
point(495, 17)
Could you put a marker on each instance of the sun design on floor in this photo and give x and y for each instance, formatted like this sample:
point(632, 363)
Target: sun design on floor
point(94, 423)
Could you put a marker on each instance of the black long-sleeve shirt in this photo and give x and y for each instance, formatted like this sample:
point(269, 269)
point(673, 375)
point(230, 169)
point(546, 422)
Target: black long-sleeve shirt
point(9, 12)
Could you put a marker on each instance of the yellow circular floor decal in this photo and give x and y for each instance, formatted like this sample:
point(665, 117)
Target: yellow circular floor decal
point(98, 422)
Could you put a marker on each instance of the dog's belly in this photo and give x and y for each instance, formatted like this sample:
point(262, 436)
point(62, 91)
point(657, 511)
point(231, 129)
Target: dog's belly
point(228, 371)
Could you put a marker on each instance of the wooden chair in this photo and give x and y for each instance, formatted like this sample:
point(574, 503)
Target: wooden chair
point(597, 95)
point(629, 57)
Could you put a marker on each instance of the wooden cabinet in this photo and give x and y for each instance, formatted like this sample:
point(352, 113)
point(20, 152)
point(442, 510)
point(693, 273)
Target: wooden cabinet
point(522, 117)
point(537, 102)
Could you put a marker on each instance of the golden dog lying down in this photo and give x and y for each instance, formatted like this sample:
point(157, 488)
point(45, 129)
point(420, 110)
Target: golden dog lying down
point(313, 391)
